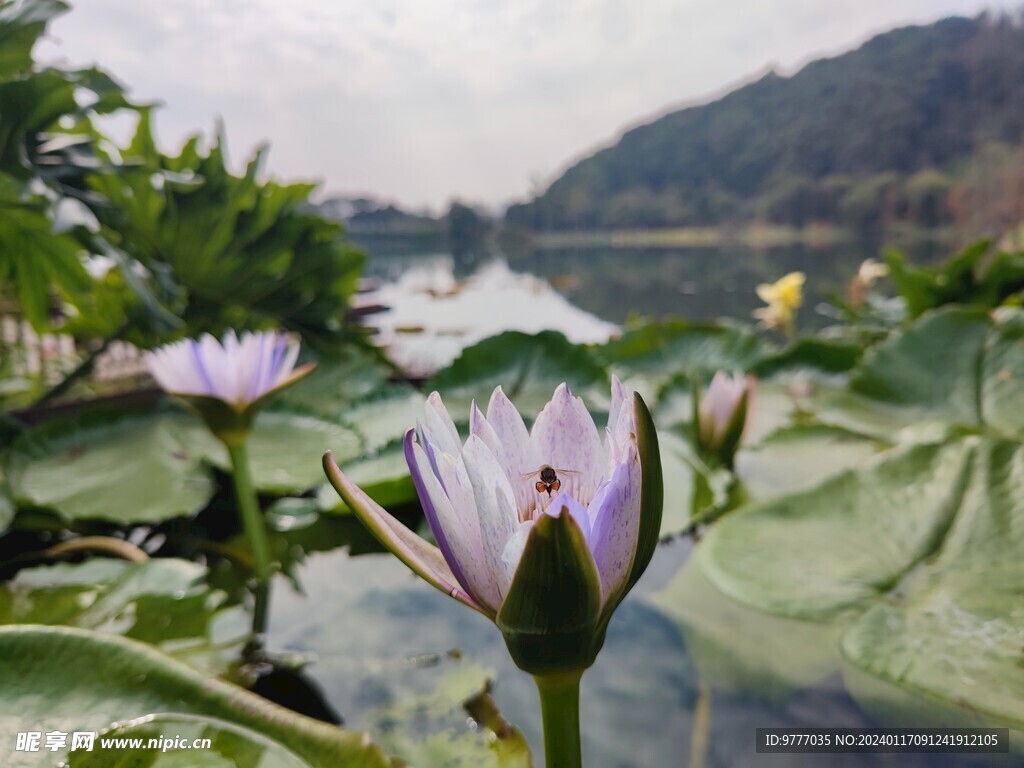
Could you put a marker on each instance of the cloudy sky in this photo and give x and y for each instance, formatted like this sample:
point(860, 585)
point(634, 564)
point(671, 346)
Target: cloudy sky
point(420, 101)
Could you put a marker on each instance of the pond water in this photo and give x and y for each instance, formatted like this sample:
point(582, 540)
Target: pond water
point(373, 629)
point(664, 682)
point(700, 283)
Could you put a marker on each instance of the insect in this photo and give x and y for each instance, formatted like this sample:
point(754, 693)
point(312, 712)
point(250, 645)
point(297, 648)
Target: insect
point(547, 478)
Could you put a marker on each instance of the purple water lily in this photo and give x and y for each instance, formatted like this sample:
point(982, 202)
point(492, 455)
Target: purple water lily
point(236, 370)
point(722, 413)
point(544, 531)
point(485, 498)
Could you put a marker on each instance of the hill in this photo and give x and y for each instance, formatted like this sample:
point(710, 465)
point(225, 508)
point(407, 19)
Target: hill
point(896, 129)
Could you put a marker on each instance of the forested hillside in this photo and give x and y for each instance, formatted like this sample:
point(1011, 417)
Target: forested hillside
point(923, 124)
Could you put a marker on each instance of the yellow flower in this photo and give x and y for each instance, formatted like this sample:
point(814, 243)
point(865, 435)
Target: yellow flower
point(783, 298)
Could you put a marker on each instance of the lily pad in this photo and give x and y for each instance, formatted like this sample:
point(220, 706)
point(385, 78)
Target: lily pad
point(67, 680)
point(102, 466)
point(958, 634)
point(285, 449)
point(818, 552)
point(529, 368)
point(924, 545)
point(163, 601)
point(220, 745)
point(337, 383)
point(384, 419)
point(800, 457)
point(1002, 395)
point(647, 357)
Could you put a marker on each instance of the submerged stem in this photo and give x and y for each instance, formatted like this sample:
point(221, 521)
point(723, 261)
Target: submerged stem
point(560, 710)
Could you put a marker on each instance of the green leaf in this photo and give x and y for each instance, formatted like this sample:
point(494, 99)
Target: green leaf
point(117, 679)
point(550, 614)
point(71, 466)
point(230, 746)
point(800, 457)
point(810, 356)
point(164, 602)
point(529, 368)
point(646, 358)
point(1002, 395)
point(957, 634)
point(818, 552)
point(285, 449)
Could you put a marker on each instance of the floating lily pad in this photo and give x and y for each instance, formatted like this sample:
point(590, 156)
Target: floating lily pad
point(924, 544)
point(385, 418)
point(957, 635)
point(816, 553)
point(649, 356)
point(102, 466)
point(529, 368)
point(337, 383)
point(229, 746)
point(285, 449)
point(63, 679)
point(800, 457)
point(163, 601)
point(1002, 396)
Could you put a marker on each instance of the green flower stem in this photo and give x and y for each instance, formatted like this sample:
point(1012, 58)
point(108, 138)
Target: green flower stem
point(560, 710)
point(248, 505)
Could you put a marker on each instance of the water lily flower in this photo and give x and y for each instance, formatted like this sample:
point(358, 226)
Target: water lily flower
point(543, 531)
point(783, 298)
point(227, 381)
point(721, 414)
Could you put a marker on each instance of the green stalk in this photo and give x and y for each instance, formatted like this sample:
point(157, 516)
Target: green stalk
point(560, 710)
point(248, 505)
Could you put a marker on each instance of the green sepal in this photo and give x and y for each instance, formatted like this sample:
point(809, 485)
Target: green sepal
point(652, 490)
point(549, 618)
point(228, 424)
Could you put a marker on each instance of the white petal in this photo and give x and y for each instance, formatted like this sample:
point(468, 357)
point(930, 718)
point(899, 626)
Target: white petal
point(564, 436)
point(211, 358)
point(438, 428)
point(494, 503)
point(457, 518)
point(515, 453)
point(513, 553)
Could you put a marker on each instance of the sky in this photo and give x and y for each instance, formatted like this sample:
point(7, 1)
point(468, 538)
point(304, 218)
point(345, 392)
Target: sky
point(421, 102)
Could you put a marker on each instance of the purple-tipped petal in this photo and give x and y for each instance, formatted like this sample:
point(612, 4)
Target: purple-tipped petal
point(455, 528)
point(461, 523)
point(615, 519)
point(423, 558)
point(564, 436)
point(577, 510)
